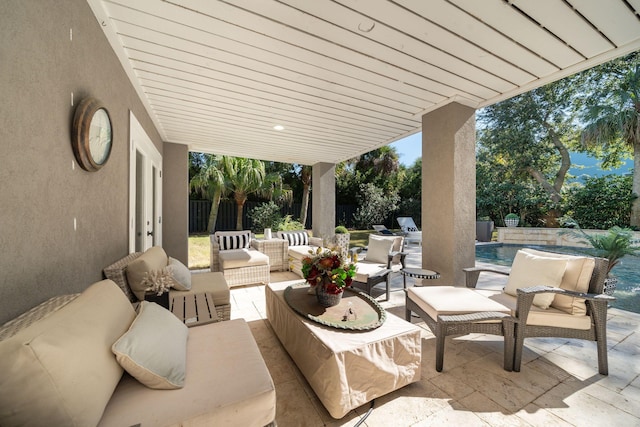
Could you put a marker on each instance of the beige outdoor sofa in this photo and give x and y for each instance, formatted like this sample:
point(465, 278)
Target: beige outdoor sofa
point(547, 295)
point(234, 254)
point(299, 245)
point(129, 271)
point(61, 364)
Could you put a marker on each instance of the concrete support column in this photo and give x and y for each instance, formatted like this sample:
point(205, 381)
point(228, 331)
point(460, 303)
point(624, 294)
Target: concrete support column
point(448, 192)
point(323, 181)
point(175, 201)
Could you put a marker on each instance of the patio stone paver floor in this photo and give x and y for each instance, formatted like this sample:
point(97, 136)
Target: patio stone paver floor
point(558, 385)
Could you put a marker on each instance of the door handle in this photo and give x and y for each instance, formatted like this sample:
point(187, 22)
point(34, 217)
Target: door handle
point(149, 233)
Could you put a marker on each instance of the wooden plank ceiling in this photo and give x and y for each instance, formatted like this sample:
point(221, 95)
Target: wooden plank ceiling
point(345, 76)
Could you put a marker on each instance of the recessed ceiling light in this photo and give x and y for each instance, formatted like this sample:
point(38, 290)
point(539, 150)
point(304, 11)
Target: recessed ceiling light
point(278, 127)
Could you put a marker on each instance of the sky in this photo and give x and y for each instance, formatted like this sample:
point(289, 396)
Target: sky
point(410, 148)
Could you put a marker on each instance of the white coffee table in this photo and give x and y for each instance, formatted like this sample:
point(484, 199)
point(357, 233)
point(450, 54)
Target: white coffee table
point(346, 369)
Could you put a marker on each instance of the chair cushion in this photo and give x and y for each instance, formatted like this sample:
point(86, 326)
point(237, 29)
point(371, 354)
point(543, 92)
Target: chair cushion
point(154, 349)
point(213, 282)
point(238, 258)
point(152, 259)
point(532, 270)
point(437, 300)
point(228, 240)
point(364, 269)
point(295, 238)
point(539, 316)
point(180, 273)
point(379, 249)
point(576, 278)
point(59, 370)
point(300, 252)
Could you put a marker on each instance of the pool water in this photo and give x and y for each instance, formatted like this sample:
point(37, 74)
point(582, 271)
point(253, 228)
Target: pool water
point(627, 271)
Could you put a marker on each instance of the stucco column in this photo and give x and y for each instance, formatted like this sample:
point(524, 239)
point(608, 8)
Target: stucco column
point(323, 195)
point(448, 192)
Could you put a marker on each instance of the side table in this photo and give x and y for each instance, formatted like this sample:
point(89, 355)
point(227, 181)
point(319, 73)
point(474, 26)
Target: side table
point(194, 309)
point(418, 273)
point(276, 250)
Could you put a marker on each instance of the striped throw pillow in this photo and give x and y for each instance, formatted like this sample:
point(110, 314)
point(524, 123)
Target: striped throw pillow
point(297, 238)
point(234, 241)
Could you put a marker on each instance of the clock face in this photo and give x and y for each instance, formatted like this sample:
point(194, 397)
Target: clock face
point(100, 136)
point(92, 135)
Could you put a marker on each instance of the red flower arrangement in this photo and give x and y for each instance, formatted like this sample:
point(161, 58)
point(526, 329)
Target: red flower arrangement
point(327, 268)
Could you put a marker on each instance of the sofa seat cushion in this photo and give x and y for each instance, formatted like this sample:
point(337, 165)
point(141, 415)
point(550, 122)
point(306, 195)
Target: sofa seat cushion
point(153, 259)
point(213, 282)
point(576, 278)
point(227, 383)
point(59, 370)
point(539, 316)
point(301, 251)
point(443, 300)
point(238, 258)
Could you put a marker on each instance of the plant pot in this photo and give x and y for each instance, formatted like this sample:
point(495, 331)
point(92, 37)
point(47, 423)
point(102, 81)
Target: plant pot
point(326, 299)
point(342, 241)
point(511, 222)
point(610, 285)
point(484, 231)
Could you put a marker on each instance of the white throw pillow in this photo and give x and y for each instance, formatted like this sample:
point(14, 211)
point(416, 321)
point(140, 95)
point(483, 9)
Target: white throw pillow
point(531, 270)
point(154, 349)
point(181, 275)
point(379, 248)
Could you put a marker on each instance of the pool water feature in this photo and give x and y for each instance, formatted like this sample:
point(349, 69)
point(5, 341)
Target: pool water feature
point(627, 271)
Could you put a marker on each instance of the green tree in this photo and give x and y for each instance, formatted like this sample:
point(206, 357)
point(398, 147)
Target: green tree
point(613, 116)
point(306, 173)
point(244, 177)
point(531, 133)
point(374, 206)
point(209, 180)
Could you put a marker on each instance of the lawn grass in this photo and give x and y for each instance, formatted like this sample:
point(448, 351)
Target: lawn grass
point(199, 247)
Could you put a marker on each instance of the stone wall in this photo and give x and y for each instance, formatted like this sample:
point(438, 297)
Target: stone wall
point(542, 236)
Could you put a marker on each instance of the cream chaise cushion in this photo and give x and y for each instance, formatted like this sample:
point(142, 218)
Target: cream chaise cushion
point(154, 349)
point(444, 300)
point(152, 259)
point(532, 270)
point(576, 278)
point(59, 371)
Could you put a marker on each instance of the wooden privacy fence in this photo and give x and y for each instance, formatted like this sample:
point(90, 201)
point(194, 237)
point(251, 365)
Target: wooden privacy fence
point(227, 211)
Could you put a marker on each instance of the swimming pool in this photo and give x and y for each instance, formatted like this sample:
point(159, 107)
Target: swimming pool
point(627, 271)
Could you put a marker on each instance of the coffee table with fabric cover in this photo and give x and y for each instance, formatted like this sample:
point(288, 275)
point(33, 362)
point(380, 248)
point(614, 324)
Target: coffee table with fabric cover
point(346, 369)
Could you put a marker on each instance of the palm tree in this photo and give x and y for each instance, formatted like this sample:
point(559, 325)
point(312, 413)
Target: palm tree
point(305, 177)
point(210, 182)
point(615, 121)
point(244, 177)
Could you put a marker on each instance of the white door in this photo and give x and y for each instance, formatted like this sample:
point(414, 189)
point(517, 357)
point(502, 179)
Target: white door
point(145, 190)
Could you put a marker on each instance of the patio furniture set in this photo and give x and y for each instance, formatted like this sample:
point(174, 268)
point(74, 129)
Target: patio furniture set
point(99, 333)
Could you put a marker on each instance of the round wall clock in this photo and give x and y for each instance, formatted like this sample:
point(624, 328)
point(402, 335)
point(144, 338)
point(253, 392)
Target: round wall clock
point(91, 137)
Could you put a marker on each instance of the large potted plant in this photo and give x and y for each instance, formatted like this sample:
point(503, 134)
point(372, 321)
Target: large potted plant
point(484, 229)
point(613, 245)
point(341, 240)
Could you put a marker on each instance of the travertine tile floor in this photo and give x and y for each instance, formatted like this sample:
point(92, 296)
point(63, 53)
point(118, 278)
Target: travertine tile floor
point(558, 385)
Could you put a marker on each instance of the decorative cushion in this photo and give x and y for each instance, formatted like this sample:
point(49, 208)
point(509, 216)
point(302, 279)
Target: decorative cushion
point(59, 370)
point(154, 258)
point(234, 240)
point(576, 278)
point(379, 248)
point(154, 349)
point(181, 275)
point(296, 238)
point(239, 258)
point(532, 270)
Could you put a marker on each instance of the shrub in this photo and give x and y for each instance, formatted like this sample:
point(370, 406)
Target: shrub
point(374, 207)
point(287, 224)
point(511, 216)
point(266, 215)
point(341, 229)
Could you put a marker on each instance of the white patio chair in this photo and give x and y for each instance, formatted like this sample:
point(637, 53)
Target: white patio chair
point(412, 233)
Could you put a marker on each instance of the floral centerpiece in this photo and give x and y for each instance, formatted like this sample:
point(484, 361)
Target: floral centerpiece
point(327, 273)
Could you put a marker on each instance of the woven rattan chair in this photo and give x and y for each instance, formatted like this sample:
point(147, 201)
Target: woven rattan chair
point(596, 309)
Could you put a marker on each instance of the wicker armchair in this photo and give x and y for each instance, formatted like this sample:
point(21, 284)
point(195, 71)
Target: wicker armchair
point(564, 325)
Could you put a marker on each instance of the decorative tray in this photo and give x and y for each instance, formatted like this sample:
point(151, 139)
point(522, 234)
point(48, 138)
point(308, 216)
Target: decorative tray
point(356, 311)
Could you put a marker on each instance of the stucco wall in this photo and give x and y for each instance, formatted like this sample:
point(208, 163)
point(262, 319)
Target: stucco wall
point(42, 190)
point(175, 201)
